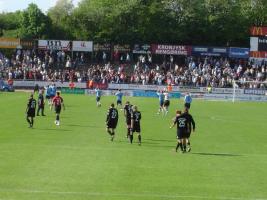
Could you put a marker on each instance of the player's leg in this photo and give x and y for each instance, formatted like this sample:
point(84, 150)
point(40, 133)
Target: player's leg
point(188, 143)
point(112, 134)
point(184, 144)
point(178, 145)
point(43, 111)
point(28, 120)
point(32, 121)
point(139, 138)
point(38, 110)
point(131, 136)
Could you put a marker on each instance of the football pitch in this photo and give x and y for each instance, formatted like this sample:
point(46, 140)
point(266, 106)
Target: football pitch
point(77, 160)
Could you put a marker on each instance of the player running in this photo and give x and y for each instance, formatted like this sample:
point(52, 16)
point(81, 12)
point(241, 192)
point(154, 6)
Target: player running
point(127, 114)
point(187, 100)
point(166, 103)
point(161, 101)
point(119, 95)
point(182, 130)
point(30, 111)
point(112, 120)
point(135, 124)
point(57, 102)
point(191, 123)
point(98, 93)
point(41, 103)
point(53, 92)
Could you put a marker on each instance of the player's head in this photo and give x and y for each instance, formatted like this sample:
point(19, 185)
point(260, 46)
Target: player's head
point(134, 108)
point(186, 110)
point(31, 96)
point(58, 93)
point(178, 112)
point(112, 105)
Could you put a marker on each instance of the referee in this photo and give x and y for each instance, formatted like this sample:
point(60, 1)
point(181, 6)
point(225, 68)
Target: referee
point(187, 101)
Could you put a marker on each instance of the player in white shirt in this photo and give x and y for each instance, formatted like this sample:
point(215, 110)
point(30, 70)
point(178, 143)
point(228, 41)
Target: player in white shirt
point(166, 102)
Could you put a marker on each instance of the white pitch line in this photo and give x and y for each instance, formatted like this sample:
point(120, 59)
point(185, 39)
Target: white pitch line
point(153, 195)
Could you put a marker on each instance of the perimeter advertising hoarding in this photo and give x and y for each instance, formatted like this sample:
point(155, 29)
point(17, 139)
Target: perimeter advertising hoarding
point(210, 51)
point(235, 52)
point(102, 47)
point(54, 45)
point(258, 31)
point(142, 49)
point(9, 43)
point(85, 46)
point(171, 49)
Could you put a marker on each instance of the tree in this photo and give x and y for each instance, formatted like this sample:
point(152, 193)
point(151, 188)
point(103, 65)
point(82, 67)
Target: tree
point(34, 23)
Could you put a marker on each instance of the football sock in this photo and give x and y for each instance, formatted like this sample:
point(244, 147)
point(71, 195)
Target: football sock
point(188, 143)
point(32, 122)
point(139, 138)
point(28, 121)
point(184, 147)
point(131, 139)
point(57, 118)
point(109, 132)
point(181, 146)
point(177, 146)
point(128, 132)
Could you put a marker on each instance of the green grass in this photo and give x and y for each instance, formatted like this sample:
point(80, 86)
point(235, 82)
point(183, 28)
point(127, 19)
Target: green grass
point(78, 161)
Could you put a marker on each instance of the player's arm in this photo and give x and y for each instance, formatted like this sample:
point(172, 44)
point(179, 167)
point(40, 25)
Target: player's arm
point(132, 121)
point(63, 105)
point(174, 122)
point(193, 124)
point(108, 116)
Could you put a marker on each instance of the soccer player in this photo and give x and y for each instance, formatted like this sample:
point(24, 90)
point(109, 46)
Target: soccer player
point(161, 101)
point(53, 92)
point(57, 103)
point(47, 94)
point(112, 120)
point(127, 114)
point(30, 110)
point(98, 96)
point(41, 103)
point(166, 103)
point(191, 123)
point(135, 124)
point(187, 100)
point(119, 95)
point(182, 130)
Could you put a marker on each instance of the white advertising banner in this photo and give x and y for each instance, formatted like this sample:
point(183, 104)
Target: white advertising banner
point(222, 90)
point(54, 45)
point(86, 46)
point(228, 97)
point(45, 83)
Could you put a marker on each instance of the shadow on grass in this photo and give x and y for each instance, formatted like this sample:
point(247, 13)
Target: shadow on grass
point(161, 140)
point(52, 129)
point(217, 154)
point(78, 125)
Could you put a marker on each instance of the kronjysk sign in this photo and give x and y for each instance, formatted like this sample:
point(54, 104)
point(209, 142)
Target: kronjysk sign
point(171, 49)
point(54, 45)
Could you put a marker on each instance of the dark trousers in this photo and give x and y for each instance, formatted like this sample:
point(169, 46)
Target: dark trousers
point(40, 107)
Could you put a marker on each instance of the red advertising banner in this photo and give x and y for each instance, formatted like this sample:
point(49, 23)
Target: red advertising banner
point(258, 30)
point(258, 54)
point(171, 49)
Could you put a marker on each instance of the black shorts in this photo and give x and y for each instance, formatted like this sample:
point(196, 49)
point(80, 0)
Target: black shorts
point(57, 109)
point(97, 99)
point(161, 103)
point(41, 106)
point(31, 113)
point(136, 128)
point(187, 105)
point(119, 102)
point(166, 103)
point(112, 124)
point(181, 134)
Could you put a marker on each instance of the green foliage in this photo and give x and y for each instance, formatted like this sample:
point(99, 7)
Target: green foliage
point(196, 22)
point(34, 23)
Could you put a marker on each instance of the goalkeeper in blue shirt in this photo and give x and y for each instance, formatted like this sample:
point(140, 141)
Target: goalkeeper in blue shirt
point(187, 101)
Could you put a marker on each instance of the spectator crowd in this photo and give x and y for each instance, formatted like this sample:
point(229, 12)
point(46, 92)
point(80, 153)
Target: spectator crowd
point(197, 72)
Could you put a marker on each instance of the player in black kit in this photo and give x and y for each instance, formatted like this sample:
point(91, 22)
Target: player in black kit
point(112, 120)
point(135, 124)
point(41, 103)
point(191, 123)
point(127, 114)
point(182, 129)
point(30, 110)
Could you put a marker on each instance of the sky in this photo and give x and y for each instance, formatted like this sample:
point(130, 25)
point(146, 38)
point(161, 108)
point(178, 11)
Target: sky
point(13, 5)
